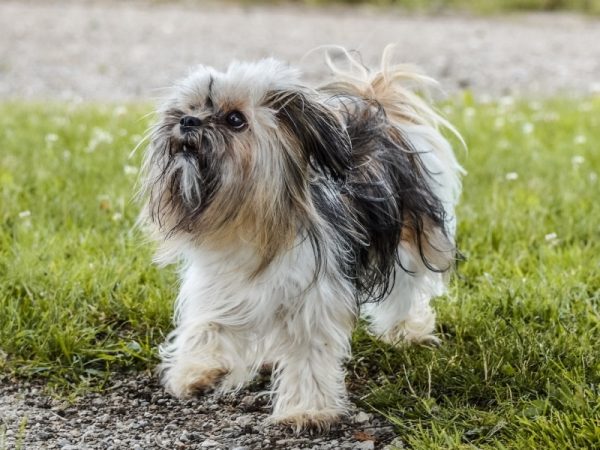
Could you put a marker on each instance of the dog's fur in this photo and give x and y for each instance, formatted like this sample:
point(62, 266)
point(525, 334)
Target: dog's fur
point(322, 205)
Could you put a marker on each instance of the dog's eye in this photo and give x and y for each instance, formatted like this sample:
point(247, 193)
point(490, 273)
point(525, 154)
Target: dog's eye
point(236, 120)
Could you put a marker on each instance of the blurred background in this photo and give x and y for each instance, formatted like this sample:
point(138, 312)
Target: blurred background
point(113, 50)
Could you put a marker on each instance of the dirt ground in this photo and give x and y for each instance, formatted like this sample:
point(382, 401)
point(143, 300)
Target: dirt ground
point(109, 50)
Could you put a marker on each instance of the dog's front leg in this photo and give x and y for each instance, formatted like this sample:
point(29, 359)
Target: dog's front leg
point(198, 355)
point(313, 344)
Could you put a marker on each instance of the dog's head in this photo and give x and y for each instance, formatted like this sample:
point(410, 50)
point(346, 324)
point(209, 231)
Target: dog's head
point(233, 153)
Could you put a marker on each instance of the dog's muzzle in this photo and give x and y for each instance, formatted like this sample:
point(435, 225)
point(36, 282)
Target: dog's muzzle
point(188, 124)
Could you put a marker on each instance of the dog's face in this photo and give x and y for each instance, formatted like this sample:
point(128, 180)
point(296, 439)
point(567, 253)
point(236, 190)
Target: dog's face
point(233, 152)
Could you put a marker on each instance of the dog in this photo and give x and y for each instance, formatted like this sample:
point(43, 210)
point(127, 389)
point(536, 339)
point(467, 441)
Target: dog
point(293, 212)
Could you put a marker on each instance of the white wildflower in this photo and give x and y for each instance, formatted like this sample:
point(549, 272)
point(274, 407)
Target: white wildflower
point(99, 136)
point(511, 176)
point(51, 138)
point(130, 170)
point(527, 128)
point(120, 110)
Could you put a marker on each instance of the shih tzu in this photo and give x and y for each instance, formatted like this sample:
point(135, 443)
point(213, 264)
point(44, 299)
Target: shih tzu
point(294, 211)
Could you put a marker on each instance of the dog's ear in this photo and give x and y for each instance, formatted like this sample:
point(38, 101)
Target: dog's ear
point(321, 135)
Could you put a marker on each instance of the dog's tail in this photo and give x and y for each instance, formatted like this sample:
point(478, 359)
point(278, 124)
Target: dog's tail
point(401, 89)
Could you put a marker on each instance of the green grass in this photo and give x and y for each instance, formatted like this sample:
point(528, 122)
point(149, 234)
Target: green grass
point(519, 366)
point(475, 6)
point(78, 295)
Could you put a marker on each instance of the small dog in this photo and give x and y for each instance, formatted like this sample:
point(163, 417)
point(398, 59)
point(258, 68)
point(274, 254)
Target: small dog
point(294, 211)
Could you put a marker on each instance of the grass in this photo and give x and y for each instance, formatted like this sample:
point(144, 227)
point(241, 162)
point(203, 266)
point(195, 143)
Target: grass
point(519, 366)
point(474, 6)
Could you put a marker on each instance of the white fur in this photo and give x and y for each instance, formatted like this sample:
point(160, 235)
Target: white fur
point(406, 314)
point(283, 317)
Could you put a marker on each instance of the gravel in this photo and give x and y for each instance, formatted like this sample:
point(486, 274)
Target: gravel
point(109, 50)
point(134, 412)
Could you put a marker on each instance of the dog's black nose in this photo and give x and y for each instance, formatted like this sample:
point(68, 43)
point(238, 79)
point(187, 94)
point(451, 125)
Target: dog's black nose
point(190, 121)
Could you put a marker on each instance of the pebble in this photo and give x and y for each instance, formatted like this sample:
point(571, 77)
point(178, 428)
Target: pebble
point(365, 445)
point(245, 420)
point(362, 417)
point(395, 445)
point(248, 400)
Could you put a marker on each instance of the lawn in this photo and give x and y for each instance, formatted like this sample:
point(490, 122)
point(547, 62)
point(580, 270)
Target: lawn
point(519, 366)
point(470, 6)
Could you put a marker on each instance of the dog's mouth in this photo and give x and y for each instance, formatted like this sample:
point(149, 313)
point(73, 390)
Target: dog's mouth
point(191, 171)
point(187, 145)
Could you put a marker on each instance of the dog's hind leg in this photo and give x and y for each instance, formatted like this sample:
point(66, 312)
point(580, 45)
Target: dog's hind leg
point(405, 314)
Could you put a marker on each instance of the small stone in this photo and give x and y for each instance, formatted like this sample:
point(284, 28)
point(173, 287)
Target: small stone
point(209, 443)
point(245, 420)
point(366, 445)
point(43, 435)
point(362, 417)
point(394, 445)
point(248, 400)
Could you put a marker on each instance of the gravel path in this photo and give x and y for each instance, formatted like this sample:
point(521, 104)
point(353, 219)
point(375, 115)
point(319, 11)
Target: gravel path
point(135, 413)
point(105, 50)
point(127, 50)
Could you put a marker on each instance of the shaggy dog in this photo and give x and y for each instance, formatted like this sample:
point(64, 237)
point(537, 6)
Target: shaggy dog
point(295, 210)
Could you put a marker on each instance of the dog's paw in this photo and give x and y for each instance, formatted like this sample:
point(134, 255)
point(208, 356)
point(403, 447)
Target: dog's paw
point(416, 329)
point(186, 379)
point(319, 420)
point(401, 335)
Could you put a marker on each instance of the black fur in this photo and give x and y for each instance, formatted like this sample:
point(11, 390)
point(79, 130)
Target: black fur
point(325, 144)
point(369, 185)
point(388, 191)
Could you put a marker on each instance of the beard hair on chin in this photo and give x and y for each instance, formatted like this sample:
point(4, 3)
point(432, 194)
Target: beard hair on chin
point(186, 169)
